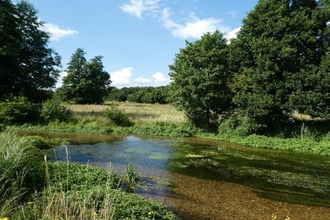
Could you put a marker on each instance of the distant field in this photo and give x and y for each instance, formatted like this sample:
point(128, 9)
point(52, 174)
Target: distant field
point(136, 111)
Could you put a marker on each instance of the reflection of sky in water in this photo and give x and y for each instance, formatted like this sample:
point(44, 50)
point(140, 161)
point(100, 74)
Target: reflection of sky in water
point(142, 153)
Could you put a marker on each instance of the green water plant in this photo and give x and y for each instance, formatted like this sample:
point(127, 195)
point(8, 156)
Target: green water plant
point(130, 176)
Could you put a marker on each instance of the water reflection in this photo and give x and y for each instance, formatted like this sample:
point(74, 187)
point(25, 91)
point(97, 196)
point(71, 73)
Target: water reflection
point(181, 173)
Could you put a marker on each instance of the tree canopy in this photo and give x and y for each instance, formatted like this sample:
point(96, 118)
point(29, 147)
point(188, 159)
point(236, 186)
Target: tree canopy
point(278, 64)
point(279, 61)
point(27, 65)
point(200, 79)
point(86, 82)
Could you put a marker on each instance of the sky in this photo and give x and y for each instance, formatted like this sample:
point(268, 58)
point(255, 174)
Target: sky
point(138, 39)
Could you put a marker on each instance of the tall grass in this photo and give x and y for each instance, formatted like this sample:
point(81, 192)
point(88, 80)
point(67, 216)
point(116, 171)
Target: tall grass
point(68, 197)
point(15, 166)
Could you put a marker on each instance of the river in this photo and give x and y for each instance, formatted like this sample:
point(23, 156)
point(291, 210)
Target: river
point(203, 179)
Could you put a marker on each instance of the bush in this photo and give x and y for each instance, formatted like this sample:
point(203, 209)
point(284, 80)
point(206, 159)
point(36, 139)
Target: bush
point(18, 110)
point(237, 125)
point(117, 116)
point(53, 111)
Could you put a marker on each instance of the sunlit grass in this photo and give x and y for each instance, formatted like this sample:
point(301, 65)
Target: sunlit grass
point(137, 112)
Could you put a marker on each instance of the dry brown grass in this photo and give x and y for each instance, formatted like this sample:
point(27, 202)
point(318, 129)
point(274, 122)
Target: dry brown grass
point(138, 112)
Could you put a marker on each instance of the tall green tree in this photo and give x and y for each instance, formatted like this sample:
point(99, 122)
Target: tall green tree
point(27, 65)
point(200, 79)
point(276, 61)
point(86, 82)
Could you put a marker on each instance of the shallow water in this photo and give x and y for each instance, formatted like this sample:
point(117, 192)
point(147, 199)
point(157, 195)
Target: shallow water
point(195, 177)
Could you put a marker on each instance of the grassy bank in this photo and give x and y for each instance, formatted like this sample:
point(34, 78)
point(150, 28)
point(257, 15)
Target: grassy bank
point(33, 188)
point(164, 120)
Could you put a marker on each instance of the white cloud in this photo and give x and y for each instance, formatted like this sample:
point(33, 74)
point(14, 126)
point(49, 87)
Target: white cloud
point(122, 77)
point(232, 34)
point(56, 33)
point(160, 78)
point(137, 7)
point(142, 80)
point(60, 79)
point(194, 27)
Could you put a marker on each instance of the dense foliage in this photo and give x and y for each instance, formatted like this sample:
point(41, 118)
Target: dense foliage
point(27, 65)
point(278, 64)
point(200, 79)
point(18, 110)
point(86, 82)
point(150, 95)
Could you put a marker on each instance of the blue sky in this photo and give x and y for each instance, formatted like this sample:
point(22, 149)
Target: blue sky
point(137, 38)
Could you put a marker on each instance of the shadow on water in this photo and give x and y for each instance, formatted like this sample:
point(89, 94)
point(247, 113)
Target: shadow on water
point(167, 164)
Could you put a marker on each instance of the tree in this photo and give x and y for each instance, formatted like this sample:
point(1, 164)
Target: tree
point(276, 58)
point(200, 79)
point(86, 82)
point(27, 65)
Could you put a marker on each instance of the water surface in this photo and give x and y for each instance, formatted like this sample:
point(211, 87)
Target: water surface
point(181, 172)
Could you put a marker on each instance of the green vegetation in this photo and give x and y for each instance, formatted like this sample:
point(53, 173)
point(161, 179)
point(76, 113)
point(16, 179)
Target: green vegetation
point(117, 116)
point(149, 95)
point(278, 175)
point(248, 91)
point(27, 65)
point(277, 65)
point(86, 82)
point(18, 110)
point(53, 111)
point(278, 62)
point(33, 188)
point(200, 79)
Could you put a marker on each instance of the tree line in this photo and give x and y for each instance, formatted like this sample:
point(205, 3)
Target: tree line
point(278, 64)
point(151, 95)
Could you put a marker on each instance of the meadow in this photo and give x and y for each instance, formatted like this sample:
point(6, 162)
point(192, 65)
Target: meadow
point(138, 112)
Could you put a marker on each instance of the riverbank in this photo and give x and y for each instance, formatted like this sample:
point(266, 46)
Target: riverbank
point(164, 120)
point(31, 187)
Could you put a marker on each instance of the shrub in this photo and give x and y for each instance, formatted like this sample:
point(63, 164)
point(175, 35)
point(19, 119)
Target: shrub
point(117, 116)
point(53, 111)
point(237, 125)
point(18, 110)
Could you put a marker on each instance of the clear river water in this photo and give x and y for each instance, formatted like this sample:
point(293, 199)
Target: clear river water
point(205, 179)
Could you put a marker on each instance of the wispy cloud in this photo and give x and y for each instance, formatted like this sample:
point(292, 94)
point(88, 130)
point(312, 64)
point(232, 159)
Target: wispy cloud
point(137, 7)
point(232, 14)
point(56, 33)
point(194, 27)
